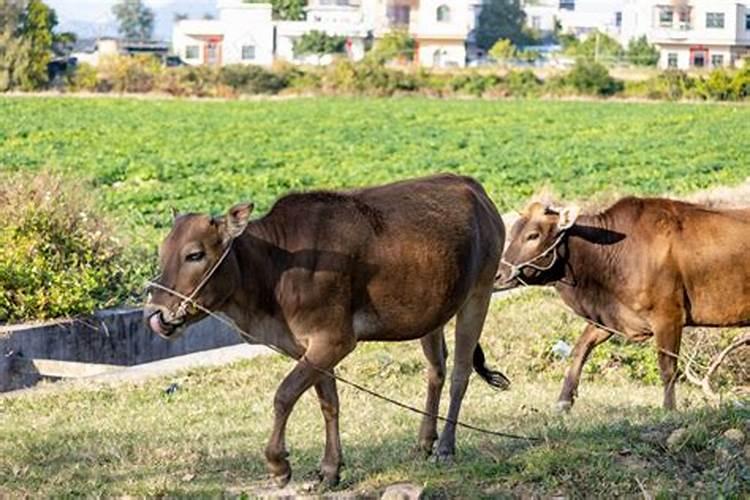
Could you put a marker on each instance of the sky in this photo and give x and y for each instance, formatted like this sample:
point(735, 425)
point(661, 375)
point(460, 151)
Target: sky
point(91, 18)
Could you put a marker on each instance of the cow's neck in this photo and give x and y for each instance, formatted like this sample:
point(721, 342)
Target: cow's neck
point(590, 267)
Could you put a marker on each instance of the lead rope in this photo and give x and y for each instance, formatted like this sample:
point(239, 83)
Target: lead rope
point(328, 373)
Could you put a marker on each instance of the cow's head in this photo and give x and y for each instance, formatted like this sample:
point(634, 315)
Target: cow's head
point(532, 251)
point(194, 249)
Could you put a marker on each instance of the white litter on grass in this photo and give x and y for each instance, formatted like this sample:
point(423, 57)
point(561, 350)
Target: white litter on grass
point(562, 349)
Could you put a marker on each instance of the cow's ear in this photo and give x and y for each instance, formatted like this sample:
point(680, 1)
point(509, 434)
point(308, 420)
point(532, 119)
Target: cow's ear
point(237, 219)
point(567, 217)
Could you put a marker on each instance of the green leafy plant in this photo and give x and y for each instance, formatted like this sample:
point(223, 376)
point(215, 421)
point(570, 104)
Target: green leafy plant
point(58, 257)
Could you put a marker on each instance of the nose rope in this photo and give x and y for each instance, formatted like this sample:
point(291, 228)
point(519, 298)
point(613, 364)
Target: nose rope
point(330, 373)
point(517, 268)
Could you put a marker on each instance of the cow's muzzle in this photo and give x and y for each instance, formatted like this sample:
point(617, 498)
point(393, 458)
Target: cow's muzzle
point(163, 323)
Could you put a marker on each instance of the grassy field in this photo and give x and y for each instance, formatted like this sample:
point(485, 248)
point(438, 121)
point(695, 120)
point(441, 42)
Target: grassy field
point(207, 437)
point(139, 158)
point(142, 157)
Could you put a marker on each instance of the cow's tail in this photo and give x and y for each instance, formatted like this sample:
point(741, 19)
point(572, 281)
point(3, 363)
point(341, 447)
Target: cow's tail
point(494, 378)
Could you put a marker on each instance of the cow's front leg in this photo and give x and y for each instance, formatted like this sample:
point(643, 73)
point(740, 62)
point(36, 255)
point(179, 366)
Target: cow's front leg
point(321, 356)
point(329, 405)
point(591, 337)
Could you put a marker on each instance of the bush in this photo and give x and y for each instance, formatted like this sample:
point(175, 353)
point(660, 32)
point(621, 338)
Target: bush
point(58, 258)
point(84, 79)
point(474, 83)
point(671, 85)
point(136, 74)
point(717, 87)
point(198, 81)
point(592, 78)
point(642, 53)
point(367, 77)
point(252, 79)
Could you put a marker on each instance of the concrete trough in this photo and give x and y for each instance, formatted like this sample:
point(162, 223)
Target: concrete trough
point(103, 342)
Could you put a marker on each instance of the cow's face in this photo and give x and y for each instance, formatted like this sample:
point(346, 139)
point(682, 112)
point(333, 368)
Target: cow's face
point(193, 250)
point(533, 239)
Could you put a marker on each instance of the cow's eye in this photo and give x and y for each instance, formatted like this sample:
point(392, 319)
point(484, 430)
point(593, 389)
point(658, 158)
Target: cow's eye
point(195, 256)
point(532, 236)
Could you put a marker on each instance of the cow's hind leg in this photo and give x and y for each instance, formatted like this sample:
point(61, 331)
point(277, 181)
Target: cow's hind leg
point(329, 405)
point(469, 323)
point(433, 346)
point(591, 337)
point(322, 355)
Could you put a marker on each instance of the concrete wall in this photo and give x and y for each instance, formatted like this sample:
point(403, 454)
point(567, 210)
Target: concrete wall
point(113, 337)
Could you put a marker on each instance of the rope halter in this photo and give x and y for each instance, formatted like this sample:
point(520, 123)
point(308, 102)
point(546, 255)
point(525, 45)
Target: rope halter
point(516, 269)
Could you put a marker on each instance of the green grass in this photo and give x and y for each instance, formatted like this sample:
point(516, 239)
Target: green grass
point(143, 157)
point(207, 437)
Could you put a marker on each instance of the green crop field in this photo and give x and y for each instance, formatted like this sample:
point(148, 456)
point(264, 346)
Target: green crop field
point(143, 157)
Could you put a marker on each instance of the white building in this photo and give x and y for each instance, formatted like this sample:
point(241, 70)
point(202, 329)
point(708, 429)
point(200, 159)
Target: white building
point(695, 33)
point(577, 17)
point(343, 18)
point(242, 34)
point(246, 33)
point(440, 28)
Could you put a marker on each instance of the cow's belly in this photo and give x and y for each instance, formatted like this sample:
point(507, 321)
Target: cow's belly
point(724, 304)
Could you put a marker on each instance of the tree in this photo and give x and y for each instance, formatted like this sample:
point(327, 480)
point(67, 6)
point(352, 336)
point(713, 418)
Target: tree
point(319, 43)
point(135, 20)
point(26, 42)
point(396, 44)
point(503, 50)
point(501, 19)
point(596, 47)
point(642, 53)
point(180, 16)
point(286, 10)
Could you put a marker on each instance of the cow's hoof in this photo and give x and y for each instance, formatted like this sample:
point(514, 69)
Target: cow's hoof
point(281, 473)
point(444, 458)
point(424, 449)
point(328, 477)
point(563, 407)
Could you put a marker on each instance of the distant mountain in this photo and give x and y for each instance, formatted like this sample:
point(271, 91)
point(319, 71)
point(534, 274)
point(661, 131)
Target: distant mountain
point(163, 19)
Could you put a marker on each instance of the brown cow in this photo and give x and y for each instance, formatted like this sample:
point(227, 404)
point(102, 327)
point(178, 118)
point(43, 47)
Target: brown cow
point(643, 267)
point(324, 270)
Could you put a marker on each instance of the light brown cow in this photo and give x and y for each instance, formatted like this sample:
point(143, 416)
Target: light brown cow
point(323, 271)
point(644, 267)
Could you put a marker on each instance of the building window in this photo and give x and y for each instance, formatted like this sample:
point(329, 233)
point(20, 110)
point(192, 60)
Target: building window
point(248, 52)
point(536, 22)
point(192, 52)
point(717, 60)
point(444, 14)
point(714, 20)
point(747, 22)
point(568, 4)
point(666, 17)
point(618, 19)
point(399, 15)
point(672, 60)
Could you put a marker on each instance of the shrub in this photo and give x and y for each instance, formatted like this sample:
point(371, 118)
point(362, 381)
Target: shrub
point(84, 78)
point(671, 85)
point(522, 83)
point(367, 77)
point(474, 83)
point(642, 53)
point(741, 82)
point(198, 81)
point(396, 44)
point(718, 86)
point(130, 74)
point(592, 78)
point(503, 51)
point(250, 79)
point(58, 257)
